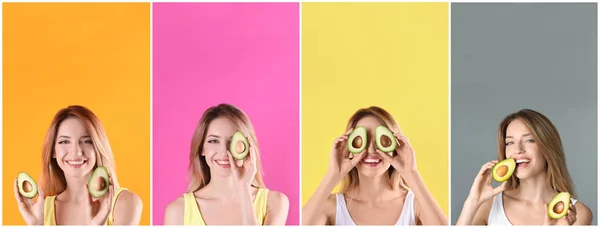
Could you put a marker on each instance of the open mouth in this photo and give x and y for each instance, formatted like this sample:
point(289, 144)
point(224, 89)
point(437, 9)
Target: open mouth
point(222, 163)
point(371, 161)
point(76, 163)
point(522, 163)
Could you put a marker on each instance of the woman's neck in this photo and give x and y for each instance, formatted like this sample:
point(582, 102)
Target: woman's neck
point(535, 189)
point(223, 187)
point(374, 189)
point(75, 190)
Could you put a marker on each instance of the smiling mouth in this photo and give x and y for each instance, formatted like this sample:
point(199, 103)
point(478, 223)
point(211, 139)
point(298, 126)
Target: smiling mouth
point(522, 163)
point(76, 163)
point(223, 163)
point(372, 162)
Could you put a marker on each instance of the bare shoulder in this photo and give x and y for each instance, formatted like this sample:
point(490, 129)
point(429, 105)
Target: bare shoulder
point(128, 199)
point(174, 212)
point(277, 200)
point(584, 214)
point(128, 208)
point(329, 208)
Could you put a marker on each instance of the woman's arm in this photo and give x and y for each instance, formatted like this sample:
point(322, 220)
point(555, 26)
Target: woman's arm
point(474, 214)
point(278, 206)
point(247, 206)
point(174, 212)
point(427, 211)
point(313, 212)
point(128, 209)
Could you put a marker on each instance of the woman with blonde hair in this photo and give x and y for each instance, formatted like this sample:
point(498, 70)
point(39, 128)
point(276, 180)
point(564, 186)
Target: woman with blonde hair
point(540, 174)
point(377, 188)
point(75, 145)
point(224, 191)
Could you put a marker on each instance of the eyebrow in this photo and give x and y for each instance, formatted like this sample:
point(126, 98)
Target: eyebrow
point(64, 136)
point(521, 136)
point(216, 136)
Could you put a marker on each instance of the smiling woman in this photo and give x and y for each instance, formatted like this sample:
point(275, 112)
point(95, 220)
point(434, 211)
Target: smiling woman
point(75, 148)
point(226, 174)
point(376, 165)
point(541, 189)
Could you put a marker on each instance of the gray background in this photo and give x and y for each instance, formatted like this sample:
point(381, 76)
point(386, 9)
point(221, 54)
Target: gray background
point(509, 56)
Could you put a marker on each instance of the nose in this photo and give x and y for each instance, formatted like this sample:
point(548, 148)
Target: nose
point(520, 148)
point(78, 150)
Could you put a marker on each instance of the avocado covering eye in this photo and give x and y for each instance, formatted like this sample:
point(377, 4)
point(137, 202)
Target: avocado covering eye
point(558, 207)
point(99, 182)
point(357, 140)
point(239, 146)
point(385, 139)
point(504, 169)
point(27, 186)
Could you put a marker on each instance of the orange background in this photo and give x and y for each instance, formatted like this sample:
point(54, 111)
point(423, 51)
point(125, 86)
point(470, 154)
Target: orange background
point(92, 54)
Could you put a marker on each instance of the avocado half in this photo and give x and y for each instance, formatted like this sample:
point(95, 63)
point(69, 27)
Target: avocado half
point(99, 182)
point(27, 186)
point(504, 169)
point(239, 146)
point(559, 206)
point(357, 140)
point(385, 140)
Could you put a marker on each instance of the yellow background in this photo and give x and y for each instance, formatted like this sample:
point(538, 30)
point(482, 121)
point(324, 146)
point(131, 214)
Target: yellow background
point(95, 55)
point(393, 55)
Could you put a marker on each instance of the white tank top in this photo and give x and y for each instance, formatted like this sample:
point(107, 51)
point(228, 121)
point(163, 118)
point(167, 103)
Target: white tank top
point(407, 218)
point(497, 215)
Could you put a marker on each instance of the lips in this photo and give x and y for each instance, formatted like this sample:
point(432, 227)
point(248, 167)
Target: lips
point(522, 162)
point(222, 163)
point(371, 161)
point(76, 163)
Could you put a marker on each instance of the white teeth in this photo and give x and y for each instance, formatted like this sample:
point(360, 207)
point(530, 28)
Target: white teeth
point(75, 162)
point(223, 162)
point(523, 161)
point(371, 160)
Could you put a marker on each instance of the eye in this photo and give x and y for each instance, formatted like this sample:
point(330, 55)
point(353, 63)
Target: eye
point(63, 142)
point(87, 141)
point(213, 141)
point(508, 143)
point(530, 140)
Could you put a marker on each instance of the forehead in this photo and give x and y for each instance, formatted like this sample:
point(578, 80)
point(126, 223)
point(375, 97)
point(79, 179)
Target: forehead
point(72, 126)
point(517, 127)
point(369, 121)
point(221, 126)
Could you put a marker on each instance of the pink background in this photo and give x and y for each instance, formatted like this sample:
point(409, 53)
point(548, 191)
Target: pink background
point(245, 54)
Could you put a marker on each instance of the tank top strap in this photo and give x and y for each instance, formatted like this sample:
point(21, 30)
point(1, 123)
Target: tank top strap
point(407, 218)
point(49, 217)
point(111, 216)
point(260, 204)
point(342, 216)
point(191, 211)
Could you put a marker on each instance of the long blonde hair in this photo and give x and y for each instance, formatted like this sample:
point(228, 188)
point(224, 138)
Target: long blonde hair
point(53, 180)
point(200, 172)
point(351, 181)
point(549, 144)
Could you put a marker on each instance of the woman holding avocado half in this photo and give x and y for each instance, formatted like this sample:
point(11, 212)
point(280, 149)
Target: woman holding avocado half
point(226, 176)
point(536, 188)
point(380, 181)
point(78, 181)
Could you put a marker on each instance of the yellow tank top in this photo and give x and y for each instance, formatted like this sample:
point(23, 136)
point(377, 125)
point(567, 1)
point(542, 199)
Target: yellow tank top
point(192, 215)
point(50, 218)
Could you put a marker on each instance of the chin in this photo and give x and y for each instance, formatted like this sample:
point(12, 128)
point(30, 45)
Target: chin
point(372, 171)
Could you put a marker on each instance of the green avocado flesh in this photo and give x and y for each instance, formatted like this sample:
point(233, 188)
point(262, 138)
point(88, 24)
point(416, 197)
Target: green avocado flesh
point(504, 169)
point(27, 186)
point(357, 140)
point(239, 147)
point(98, 184)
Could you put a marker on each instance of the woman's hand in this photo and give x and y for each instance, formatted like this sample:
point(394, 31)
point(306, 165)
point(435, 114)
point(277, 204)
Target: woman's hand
point(32, 212)
point(405, 161)
point(244, 174)
point(482, 189)
point(339, 163)
point(104, 203)
point(568, 220)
